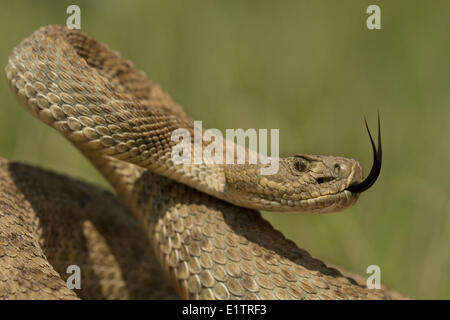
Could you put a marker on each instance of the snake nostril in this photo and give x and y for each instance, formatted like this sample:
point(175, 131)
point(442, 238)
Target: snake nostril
point(337, 168)
point(341, 170)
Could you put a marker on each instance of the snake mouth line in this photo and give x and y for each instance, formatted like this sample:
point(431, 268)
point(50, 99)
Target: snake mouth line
point(320, 203)
point(376, 166)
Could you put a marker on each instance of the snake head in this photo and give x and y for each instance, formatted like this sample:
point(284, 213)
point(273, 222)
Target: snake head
point(303, 183)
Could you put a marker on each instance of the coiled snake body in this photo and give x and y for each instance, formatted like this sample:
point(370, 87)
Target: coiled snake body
point(200, 218)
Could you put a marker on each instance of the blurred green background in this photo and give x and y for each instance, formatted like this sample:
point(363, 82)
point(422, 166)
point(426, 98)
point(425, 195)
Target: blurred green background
point(311, 69)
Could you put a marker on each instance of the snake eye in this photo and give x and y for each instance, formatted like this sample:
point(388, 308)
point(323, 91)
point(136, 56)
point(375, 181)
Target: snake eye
point(301, 164)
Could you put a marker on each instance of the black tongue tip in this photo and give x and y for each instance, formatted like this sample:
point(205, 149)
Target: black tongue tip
point(376, 166)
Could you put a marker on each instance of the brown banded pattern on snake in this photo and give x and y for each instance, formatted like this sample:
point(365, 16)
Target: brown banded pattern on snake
point(209, 248)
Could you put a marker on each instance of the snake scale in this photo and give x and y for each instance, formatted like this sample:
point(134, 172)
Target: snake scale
point(200, 219)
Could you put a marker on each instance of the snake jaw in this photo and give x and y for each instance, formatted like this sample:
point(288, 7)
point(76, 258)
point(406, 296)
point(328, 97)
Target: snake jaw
point(334, 202)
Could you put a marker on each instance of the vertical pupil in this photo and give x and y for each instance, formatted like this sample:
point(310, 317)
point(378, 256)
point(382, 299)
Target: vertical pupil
point(301, 165)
